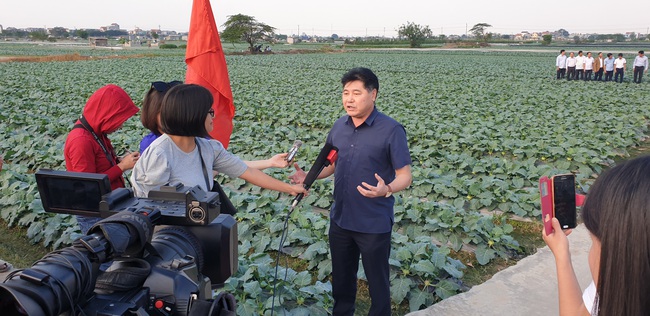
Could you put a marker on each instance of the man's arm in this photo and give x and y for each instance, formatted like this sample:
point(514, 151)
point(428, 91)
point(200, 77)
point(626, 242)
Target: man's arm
point(402, 180)
point(299, 176)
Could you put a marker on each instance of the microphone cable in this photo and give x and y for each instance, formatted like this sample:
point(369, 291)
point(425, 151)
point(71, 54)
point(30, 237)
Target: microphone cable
point(283, 237)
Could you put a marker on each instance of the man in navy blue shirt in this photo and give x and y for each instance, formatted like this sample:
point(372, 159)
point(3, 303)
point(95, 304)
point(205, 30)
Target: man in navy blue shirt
point(373, 163)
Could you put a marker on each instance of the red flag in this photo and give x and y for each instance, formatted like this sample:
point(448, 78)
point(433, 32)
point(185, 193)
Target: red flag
point(206, 66)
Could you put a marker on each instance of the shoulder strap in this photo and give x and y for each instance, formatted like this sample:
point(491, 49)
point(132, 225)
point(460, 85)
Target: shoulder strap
point(205, 172)
point(109, 154)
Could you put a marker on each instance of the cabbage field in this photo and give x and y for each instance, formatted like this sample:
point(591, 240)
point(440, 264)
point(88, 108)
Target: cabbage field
point(483, 127)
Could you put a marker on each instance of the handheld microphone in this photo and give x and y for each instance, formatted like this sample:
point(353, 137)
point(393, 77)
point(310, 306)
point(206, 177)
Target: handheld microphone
point(326, 157)
point(293, 151)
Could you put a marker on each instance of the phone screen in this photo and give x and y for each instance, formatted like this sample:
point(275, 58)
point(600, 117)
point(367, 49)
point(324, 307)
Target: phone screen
point(564, 200)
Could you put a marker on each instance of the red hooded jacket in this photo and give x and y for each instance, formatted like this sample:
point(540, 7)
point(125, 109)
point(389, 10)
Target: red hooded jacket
point(106, 110)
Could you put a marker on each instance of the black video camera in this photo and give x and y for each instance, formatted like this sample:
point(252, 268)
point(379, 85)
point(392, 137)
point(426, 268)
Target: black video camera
point(171, 271)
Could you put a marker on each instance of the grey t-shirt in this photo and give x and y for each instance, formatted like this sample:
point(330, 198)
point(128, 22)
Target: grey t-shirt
point(163, 162)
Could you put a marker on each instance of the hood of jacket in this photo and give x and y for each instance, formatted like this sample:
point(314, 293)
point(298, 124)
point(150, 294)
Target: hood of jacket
point(108, 108)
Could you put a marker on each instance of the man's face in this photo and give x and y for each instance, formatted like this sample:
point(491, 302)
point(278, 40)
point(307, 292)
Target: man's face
point(562, 53)
point(600, 55)
point(588, 54)
point(357, 101)
point(571, 55)
point(580, 54)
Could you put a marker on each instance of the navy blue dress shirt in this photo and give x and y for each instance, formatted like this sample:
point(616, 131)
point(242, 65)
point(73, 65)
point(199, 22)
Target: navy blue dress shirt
point(378, 145)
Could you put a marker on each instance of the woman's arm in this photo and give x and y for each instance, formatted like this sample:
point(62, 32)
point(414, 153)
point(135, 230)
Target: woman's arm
point(263, 180)
point(570, 295)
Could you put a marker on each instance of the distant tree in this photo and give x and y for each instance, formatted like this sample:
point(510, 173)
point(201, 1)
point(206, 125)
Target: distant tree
point(82, 33)
point(154, 35)
point(241, 27)
point(442, 37)
point(647, 37)
point(633, 36)
point(479, 30)
point(576, 39)
point(619, 37)
point(546, 39)
point(415, 33)
point(59, 32)
point(563, 32)
point(38, 35)
point(505, 36)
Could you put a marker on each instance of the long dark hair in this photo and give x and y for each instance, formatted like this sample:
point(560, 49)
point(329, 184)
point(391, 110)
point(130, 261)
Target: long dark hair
point(617, 212)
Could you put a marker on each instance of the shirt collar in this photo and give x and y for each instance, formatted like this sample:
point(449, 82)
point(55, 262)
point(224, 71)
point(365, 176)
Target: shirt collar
point(369, 120)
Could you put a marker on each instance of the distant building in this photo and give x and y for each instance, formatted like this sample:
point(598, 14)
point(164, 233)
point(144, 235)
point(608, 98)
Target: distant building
point(98, 41)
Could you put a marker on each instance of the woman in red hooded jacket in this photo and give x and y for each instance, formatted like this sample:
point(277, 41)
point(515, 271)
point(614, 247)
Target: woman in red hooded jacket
point(88, 149)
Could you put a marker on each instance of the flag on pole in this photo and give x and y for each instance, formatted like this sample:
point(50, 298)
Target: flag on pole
point(206, 66)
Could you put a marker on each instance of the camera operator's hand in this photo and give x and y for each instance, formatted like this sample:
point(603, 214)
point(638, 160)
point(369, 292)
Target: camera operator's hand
point(128, 161)
point(299, 176)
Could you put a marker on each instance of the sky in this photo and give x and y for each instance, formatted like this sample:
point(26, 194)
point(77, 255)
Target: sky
point(341, 17)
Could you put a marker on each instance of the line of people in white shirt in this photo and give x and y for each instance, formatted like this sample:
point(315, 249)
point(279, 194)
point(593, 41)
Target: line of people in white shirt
point(582, 67)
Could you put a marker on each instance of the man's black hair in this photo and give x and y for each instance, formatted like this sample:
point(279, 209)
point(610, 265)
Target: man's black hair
point(364, 75)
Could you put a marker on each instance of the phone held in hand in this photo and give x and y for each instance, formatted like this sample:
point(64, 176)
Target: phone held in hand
point(563, 192)
point(546, 200)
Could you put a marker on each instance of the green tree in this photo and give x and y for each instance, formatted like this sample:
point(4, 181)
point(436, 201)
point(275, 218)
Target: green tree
point(59, 32)
point(415, 33)
point(241, 27)
point(546, 39)
point(154, 35)
point(82, 33)
point(38, 35)
point(479, 30)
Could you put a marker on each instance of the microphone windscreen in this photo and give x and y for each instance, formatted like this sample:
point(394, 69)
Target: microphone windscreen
point(318, 165)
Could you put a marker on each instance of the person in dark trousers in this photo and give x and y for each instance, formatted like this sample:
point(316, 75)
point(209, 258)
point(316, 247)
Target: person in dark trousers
point(560, 65)
point(571, 63)
point(640, 66)
point(373, 163)
point(619, 64)
point(599, 67)
point(609, 67)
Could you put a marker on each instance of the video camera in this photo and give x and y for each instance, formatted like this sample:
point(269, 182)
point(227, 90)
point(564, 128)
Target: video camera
point(171, 271)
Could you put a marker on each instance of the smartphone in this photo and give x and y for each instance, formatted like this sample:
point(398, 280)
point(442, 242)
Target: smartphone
point(546, 200)
point(563, 188)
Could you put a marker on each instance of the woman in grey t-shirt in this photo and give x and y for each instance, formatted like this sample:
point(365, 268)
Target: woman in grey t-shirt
point(182, 154)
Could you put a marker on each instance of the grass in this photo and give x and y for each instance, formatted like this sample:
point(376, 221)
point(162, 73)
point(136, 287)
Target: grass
point(16, 248)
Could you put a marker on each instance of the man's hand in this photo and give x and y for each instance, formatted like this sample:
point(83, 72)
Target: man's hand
point(299, 176)
point(128, 161)
point(370, 191)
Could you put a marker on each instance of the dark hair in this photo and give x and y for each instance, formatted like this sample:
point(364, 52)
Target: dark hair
point(617, 212)
point(561, 50)
point(620, 54)
point(609, 54)
point(151, 104)
point(364, 75)
point(641, 52)
point(184, 109)
point(579, 51)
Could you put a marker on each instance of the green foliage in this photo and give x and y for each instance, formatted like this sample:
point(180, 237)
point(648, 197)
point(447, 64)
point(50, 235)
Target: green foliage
point(415, 33)
point(167, 46)
point(546, 39)
point(480, 138)
point(241, 27)
point(479, 31)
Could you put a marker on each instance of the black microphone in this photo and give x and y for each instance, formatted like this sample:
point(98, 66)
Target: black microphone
point(293, 151)
point(326, 157)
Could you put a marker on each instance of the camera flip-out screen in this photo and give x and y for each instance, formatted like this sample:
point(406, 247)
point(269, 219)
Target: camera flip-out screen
point(68, 192)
